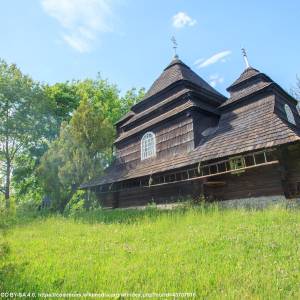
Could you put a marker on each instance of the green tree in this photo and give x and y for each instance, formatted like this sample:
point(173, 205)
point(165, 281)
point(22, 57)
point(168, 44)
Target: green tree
point(83, 148)
point(66, 100)
point(131, 98)
point(25, 119)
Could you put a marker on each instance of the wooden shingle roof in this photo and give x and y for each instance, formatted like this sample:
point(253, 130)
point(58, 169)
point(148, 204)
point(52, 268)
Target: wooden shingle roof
point(252, 126)
point(247, 91)
point(248, 128)
point(156, 120)
point(176, 81)
point(153, 108)
point(175, 72)
point(127, 116)
point(247, 74)
point(250, 82)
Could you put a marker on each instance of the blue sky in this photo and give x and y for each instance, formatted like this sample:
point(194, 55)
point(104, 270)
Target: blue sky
point(128, 41)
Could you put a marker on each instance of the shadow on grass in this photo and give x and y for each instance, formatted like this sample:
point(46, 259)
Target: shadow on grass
point(103, 216)
point(20, 218)
point(12, 275)
point(119, 216)
point(130, 216)
point(13, 279)
point(115, 216)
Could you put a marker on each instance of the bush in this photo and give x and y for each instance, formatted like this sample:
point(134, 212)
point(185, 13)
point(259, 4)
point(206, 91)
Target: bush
point(7, 218)
point(76, 204)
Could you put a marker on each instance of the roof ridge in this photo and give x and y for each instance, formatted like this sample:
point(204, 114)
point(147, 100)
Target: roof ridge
point(175, 72)
point(151, 109)
point(176, 61)
point(248, 73)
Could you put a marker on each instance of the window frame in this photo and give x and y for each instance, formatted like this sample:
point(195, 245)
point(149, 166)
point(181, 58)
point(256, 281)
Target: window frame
point(298, 108)
point(289, 114)
point(148, 145)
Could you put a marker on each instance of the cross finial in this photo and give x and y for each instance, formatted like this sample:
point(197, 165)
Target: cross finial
point(174, 46)
point(245, 57)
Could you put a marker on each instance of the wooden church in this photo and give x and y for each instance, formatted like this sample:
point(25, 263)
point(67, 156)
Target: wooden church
point(185, 139)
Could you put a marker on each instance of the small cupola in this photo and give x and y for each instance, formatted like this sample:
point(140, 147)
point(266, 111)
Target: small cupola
point(250, 82)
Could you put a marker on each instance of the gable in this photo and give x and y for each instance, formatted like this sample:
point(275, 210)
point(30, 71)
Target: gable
point(283, 99)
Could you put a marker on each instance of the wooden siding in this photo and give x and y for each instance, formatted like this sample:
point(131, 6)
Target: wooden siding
point(247, 90)
point(145, 195)
point(172, 138)
point(258, 182)
point(291, 162)
point(202, 121)
point(248, 127)
point(280, 110)
point(149, 102)
point(157, 110)
point(162, 118)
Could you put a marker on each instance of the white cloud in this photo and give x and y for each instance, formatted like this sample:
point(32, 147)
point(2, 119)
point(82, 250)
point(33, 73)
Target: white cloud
point(82, 20)
point(182, 19)
point(215, 79)
point(221, 56)
point(199, 61)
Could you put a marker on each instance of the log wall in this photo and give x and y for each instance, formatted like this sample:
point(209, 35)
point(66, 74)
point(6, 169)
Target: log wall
point(172, 138)
point(291, 158)
point(280, 110)
point(257, 182)
point(145, 195)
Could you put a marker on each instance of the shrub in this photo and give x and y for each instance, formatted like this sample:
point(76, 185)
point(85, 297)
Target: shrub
point(76, 204)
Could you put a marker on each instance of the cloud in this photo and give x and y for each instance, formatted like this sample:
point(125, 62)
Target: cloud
point(199, 61)
point(182, 19)
point(82, 20)
point(215, 79)
point(221, 56)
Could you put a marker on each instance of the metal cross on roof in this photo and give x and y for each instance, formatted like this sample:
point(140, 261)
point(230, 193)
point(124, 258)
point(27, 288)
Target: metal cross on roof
point(245, 57)
point(174, 46)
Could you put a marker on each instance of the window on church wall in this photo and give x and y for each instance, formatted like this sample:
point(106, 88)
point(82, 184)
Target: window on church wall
point(289, 114)
point(148, 145)
point(298, 108)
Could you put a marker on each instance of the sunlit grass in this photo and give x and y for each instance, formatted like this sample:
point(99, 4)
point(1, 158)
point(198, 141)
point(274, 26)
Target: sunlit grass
point(232, 254)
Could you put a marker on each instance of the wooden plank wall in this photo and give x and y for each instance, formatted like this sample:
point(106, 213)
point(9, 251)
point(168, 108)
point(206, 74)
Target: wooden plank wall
point(155, 99)
point(291, 158)
point(143, 196)
point(173, 137)
point(202, 121)
point(279, 108)
point(257, 182)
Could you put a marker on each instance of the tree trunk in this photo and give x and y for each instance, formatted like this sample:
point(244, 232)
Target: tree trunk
point(8, 161)
point(7, 185)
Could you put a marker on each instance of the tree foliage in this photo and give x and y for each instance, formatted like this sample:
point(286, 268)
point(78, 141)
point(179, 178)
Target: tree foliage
point(55, 137)
point(66, 99)
point(84, 146)
point(25, 119)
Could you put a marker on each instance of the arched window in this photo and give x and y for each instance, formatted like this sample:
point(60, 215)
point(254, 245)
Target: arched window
point(298, 108)
point(289, 114)
point(148, 145)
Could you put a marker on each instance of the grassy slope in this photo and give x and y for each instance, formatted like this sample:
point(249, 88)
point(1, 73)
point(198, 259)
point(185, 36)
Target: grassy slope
point(230, 254)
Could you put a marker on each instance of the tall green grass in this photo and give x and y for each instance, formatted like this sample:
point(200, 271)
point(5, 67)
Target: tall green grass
point(218, 254)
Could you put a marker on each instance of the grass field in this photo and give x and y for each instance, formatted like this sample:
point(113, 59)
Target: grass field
point(230, 254)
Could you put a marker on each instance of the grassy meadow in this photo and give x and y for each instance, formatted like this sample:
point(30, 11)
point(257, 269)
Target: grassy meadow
point(217, 254)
